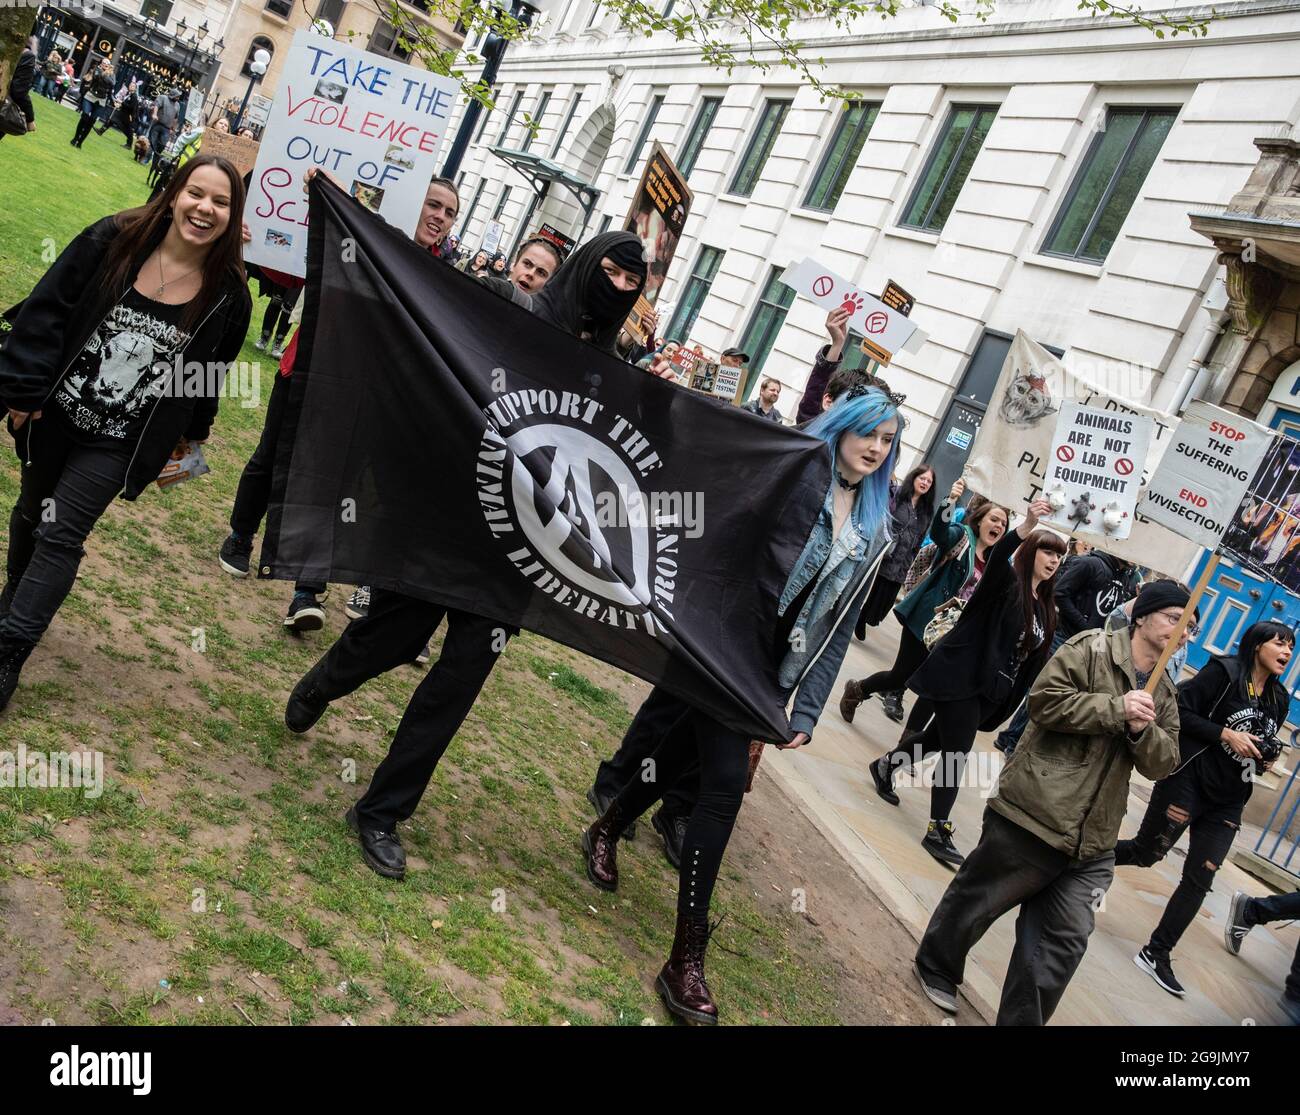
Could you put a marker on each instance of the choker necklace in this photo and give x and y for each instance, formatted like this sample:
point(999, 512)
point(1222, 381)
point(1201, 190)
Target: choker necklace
point(845, 484)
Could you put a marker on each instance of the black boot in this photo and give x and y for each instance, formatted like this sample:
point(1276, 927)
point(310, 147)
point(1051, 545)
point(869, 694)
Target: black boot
point(12, 656)
point(673, 831)
point(938, 842)
point(893, 703)
point(307, 703)
point(600, 802)
point(600, 846)
point(882, 774)
point(681, 983)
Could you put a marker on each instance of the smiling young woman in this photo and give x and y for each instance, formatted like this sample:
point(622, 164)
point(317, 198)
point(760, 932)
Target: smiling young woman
point(87, 376)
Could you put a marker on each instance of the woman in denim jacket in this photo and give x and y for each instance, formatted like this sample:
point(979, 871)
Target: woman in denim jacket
point(815, 618)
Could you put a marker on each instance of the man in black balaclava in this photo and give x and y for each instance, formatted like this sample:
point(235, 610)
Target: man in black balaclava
point(591, 293)
point(590, 296)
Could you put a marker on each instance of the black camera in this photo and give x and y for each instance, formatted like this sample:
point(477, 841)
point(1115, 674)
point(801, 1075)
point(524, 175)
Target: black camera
point(1269, 748)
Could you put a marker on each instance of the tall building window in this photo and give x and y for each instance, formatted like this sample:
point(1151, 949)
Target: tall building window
point(487, 112)
point(948, 166)
point(841, 155)
point(563, 133)
point(595, 14)
point(1107, 184)
point(690, 152)
point(510, 117)
point(282, 8)
point(538, 115)
point(760, 147)
point(384, 40)
point(605, 222)
point(655, 105)
point(469, 213)
point(331, 10)
point(501, 204)
point(694, 293)
point(769, 316)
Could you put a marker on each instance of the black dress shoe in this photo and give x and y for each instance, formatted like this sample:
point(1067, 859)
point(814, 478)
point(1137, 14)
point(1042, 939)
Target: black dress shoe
point(673, 831)
point(600, 803)
point(306, 703)
point(381, 850)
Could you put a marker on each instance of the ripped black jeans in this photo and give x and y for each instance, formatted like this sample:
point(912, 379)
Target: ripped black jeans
point(1177, 803)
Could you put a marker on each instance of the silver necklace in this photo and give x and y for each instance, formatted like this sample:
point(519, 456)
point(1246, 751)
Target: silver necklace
point(166, 282)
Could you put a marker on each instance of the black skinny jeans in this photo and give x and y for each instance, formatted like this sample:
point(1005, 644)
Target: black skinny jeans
point(658, 713)
point(723, 758)
point(1178, 803)
point(275, 323)
point(911, 653)
point(952, 733)
point(66, 487)
point(253, 495)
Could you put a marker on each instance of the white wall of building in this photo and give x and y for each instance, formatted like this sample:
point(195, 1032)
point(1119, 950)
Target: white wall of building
point(1052, 74)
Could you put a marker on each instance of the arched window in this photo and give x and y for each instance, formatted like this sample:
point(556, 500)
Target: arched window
point(260, 42)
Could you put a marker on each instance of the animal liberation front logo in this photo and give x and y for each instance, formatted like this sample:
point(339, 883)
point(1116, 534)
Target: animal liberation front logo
point(561, 484)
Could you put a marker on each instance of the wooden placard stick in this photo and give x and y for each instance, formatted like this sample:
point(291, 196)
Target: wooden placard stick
point(1181, 625)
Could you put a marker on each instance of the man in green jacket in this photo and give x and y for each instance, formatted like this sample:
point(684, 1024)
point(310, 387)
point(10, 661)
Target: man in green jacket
point(1048, 844)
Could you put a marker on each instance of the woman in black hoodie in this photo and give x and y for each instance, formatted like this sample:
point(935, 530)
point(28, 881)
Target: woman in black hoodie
point(978, 672)
point(95, 376)
point(1229, 715)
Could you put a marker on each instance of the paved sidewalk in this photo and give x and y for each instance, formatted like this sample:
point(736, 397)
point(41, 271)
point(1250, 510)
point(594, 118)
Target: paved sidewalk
point(829, 782)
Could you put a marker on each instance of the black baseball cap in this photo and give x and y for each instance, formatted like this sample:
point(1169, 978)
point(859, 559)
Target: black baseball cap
point(744, 356)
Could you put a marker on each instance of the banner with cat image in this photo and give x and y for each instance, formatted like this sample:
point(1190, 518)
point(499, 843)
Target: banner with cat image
point(1008, 461)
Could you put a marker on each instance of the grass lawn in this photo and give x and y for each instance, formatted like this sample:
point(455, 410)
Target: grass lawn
point(214, 880)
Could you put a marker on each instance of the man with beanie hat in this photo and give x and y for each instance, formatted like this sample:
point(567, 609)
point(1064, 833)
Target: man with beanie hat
point(1050, 829)
point(590, 296)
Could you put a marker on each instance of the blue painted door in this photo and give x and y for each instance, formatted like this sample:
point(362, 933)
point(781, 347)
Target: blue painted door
point(1235, 598)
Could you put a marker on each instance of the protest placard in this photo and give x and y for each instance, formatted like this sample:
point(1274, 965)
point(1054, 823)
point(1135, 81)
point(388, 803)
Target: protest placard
point(373, 123)
point(240, 150)
point(1205, 474)
point(492, 234)
point(885, 330)
point(1008, 459)
point(706, 376)
point(1094, 468)
point(563, 244)
point(658, 214)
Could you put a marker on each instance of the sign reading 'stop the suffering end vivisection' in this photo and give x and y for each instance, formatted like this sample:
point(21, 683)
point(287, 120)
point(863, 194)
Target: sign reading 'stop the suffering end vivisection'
point(373, 123)
point(1205, 473)
point(1094, 470)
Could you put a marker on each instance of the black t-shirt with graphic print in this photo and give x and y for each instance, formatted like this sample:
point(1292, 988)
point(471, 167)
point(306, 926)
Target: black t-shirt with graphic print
point(112, 386)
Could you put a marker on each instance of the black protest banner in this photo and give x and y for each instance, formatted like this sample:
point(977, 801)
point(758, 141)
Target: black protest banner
point(447, 444)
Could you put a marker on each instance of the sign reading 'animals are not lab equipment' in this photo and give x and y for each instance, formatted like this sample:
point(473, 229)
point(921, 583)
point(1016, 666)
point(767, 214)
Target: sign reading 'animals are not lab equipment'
point(1094, 469)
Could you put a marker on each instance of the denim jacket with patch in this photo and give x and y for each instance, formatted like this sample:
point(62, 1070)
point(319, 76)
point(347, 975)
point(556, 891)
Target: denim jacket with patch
point(822, 630)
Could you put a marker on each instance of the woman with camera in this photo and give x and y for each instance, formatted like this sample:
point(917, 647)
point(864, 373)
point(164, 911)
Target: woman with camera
point(1229, 715)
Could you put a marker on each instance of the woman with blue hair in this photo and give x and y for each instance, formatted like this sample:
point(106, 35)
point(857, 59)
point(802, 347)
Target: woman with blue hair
point(815, 615)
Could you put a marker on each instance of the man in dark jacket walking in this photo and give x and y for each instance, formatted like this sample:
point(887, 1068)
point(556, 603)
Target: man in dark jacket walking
point(1050, 829)
point(1089, 589)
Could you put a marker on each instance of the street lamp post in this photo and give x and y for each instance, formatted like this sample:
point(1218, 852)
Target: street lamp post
point(493, 51)
point(257, 67)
